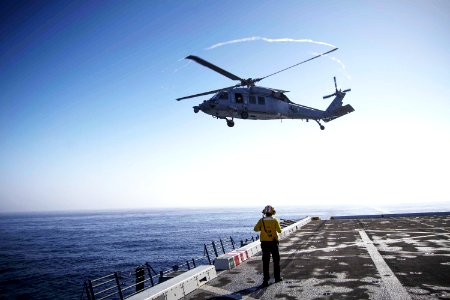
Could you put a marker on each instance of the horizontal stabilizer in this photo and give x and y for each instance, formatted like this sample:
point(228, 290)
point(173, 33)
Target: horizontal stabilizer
point(341, 111)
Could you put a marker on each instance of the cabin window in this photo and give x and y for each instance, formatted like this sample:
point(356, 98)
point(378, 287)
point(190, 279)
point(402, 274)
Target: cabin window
point(261, 100)
point(223, 95)
point(238, 97)
point(252, 100)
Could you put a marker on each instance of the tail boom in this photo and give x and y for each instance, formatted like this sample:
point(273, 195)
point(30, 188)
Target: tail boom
point(339, 112)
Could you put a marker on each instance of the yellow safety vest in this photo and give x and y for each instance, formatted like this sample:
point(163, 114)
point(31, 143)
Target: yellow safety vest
point(268, 229)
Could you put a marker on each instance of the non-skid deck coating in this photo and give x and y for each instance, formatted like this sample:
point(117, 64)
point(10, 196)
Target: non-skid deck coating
point(389, 258)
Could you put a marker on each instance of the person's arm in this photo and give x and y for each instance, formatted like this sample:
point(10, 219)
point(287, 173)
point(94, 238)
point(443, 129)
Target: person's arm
point(257, 226)
point(278, 226)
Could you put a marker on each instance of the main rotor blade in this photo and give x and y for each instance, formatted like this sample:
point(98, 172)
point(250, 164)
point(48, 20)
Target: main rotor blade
point(259, 79)
point(214, 67)
point(206, 93)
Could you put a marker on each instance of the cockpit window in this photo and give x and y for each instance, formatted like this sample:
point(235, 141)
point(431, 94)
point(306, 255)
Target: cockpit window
point(223, 95)
point(280, 96)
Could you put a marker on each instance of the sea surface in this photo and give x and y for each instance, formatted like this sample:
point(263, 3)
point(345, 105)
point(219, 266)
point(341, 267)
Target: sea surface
point(49, 255)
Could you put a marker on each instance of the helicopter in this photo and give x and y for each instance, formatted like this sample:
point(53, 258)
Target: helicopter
point(245, 100)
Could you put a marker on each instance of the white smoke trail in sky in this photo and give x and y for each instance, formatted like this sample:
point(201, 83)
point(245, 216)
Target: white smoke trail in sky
point(338, 61)
point(258, 38)
point(342, 66)
point(283, 40)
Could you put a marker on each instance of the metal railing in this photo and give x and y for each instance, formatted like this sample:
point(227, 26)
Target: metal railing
point(216, 248)
point(222, 246)
point(122, 285)
point(102, 288)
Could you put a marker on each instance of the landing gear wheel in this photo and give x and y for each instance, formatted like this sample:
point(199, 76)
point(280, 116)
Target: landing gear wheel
point(244, 115)
point(321, 126)
point(230, 123)
point(196, 109)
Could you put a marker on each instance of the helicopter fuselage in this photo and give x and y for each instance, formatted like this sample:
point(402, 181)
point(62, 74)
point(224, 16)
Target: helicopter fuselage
point(256, 103)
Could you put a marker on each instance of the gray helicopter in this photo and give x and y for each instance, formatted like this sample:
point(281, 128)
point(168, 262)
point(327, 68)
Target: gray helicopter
point(247, 101)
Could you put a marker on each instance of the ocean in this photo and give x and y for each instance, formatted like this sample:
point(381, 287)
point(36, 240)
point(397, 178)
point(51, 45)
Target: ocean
point(50, 255)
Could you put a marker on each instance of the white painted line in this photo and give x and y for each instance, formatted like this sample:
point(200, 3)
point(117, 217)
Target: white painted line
point(226, 293)
point(390, 282)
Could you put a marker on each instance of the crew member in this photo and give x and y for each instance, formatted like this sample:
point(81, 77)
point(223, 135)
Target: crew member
point(269, 228)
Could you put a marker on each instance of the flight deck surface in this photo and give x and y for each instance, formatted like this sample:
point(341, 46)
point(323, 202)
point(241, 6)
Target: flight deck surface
point(361, 258)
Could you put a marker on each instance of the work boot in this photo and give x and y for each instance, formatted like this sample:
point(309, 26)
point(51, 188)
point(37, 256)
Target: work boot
point(265, 284)
point(279, 279)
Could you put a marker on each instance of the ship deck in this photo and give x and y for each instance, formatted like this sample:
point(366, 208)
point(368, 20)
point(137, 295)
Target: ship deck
point(359, 258)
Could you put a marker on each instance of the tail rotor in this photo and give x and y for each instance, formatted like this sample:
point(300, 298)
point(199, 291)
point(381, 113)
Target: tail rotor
point(336, 90)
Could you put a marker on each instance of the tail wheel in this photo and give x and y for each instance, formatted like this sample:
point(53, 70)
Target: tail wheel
point(321, 126)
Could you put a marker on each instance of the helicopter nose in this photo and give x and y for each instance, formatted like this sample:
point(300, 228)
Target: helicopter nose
point(207, 105)
point(202, 106)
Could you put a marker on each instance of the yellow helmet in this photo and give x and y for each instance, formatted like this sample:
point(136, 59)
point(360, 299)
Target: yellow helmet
point(268, 210)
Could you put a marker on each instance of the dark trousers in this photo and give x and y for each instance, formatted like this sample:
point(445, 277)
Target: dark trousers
point(267, 249)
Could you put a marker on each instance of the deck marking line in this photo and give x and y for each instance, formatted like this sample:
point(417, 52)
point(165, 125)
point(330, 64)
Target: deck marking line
point(394, 288)
point(223, 292)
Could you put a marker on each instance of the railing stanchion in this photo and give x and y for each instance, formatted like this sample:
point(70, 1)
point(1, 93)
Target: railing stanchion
point(207, 254)
point(149, 269)
point(221, 244)
point(140, 278)
point(119, 289)
point(215, 250)
point(91, 290)
point(193, 262)
point(232, 243)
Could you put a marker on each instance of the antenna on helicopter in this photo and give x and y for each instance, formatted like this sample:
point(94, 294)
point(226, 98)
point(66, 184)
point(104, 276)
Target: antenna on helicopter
point(337, 91)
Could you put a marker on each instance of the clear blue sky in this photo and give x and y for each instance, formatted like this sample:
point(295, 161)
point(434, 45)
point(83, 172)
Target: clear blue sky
point(88, 117)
